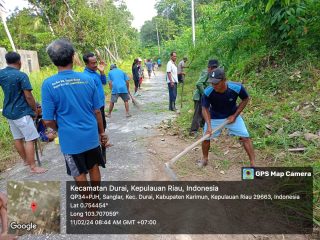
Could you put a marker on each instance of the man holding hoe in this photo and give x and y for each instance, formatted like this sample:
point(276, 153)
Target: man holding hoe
point(219, 103)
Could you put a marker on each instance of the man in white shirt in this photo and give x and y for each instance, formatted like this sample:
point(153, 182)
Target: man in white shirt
point(172, 80)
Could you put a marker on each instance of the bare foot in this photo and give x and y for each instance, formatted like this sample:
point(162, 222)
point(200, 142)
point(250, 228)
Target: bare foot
point(25, 163)
point(38, 170)
point(108, 145)
point(128, 115)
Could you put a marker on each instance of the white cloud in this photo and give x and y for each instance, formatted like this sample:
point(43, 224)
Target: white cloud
point(12, 5)
point(142, 10)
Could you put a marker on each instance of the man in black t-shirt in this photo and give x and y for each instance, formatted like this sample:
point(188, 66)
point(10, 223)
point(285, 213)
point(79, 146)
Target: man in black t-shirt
point(219, 103)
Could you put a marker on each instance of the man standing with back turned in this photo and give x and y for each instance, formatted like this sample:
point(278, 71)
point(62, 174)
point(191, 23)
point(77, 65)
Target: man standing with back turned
point(219, 103)
point(70, 103)
point(19, 107)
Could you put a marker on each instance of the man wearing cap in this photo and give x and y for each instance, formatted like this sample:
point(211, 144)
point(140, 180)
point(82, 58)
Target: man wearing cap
point(119, 85)
point(201, 84)
point(181, 67)
point(172, 80)
point(219, 103)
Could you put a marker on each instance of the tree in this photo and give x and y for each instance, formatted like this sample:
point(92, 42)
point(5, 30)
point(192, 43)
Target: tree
point(89, 24)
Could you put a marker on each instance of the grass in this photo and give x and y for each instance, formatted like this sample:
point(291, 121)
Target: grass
point(281, 103)
point(156, 108)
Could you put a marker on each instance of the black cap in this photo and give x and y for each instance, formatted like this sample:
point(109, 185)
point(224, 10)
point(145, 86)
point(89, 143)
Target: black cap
point(216, 76)
point(213, 63)
point(112, 66)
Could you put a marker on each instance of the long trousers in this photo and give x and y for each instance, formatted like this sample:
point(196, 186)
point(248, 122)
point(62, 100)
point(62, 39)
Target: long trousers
point(197, 120)
point(172, 95)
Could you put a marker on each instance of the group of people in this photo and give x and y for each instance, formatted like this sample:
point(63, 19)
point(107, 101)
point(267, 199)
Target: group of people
point(73, 104)
point(138, 71)
point(215, 101)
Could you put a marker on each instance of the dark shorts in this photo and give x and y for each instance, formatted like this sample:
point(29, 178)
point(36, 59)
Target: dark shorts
point(125, 97)
point(136, 82)
point(180, 78)
point(78, 164)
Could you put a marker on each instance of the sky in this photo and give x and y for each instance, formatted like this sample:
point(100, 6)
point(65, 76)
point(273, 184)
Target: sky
point(142, 10)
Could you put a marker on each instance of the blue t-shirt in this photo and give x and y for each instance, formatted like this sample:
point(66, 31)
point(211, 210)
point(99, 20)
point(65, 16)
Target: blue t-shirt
point(13, 82)
point(70, 98)
point(223, 105)
point(118, 79)
point(149, 66)
point(99, 80)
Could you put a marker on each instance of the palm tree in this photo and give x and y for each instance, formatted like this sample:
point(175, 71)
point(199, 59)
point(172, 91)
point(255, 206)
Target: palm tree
point(3, 17)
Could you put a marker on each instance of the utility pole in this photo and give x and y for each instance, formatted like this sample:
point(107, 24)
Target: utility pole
point(193, 25)
point(3, 17)
point(158, 38)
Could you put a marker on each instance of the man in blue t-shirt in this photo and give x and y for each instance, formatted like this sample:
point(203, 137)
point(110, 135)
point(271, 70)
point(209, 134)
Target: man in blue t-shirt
point(149, 67)
point(99, 79)
point(19, 107)
point(70, 104)
point(119, 85)
point(219, 103)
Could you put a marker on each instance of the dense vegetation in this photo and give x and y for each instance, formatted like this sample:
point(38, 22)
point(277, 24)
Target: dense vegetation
point(88, 24)
point(272, 47)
